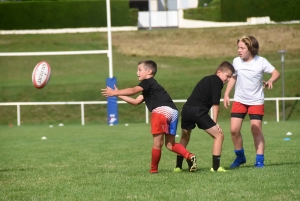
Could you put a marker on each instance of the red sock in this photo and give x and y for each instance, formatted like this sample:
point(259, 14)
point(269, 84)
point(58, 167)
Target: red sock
point(179, 149)
point(156, 153)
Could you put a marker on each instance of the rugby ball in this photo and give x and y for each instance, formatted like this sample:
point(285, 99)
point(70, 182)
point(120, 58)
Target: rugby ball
point(41, 74)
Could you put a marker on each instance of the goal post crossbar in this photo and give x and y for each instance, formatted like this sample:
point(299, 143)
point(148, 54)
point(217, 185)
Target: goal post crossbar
point(54, 53)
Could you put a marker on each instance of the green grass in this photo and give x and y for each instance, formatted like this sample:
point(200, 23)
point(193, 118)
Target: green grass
point(100, 162)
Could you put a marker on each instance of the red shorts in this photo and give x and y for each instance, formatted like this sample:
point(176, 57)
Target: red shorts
point(164, 120)
point(238, 107)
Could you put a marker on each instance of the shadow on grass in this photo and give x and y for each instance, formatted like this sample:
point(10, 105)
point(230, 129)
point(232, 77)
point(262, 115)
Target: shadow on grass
point(15, 169)
point(267, 165)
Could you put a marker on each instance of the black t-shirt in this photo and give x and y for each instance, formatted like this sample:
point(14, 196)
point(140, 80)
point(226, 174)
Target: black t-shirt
point(155, 95)
point(207, 92)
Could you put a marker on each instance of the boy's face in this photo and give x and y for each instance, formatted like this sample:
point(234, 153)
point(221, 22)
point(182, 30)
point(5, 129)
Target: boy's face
point(243, 51)
point(143, 73)
point(224, 75)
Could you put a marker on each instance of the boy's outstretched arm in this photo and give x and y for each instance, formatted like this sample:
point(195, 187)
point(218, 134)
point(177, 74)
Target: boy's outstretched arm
point(229, 87)
point(107, 92)
point(134, 101)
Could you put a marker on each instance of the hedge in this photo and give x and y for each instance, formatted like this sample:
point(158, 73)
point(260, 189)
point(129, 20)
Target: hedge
point(277, 10)
point(64, 14)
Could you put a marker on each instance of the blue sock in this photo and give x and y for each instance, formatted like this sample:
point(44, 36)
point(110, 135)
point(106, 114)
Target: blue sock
point(240, 153)
point(260, 158)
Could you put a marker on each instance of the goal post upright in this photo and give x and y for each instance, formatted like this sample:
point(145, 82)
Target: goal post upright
point(111, 81)
point(109, 39)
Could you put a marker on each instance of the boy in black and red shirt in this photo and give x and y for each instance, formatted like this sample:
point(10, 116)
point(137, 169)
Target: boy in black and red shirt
point(164, 114)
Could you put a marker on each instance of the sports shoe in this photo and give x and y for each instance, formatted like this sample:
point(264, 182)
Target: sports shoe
point(220, 169)
point(193, 166)
point(238, 161)
point(189, 163)
point(259, 164)
point(177, 169)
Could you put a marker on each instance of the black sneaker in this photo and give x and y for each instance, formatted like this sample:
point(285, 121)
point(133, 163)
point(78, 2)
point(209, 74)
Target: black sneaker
point(192, 163)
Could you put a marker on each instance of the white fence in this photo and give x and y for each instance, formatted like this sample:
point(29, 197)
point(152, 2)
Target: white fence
point(82, 103)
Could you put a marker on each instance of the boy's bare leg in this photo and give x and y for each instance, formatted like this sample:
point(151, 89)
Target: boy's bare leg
point(218, 140)
point(180, 150)
point(236, 136)
point(237, 140)
point(185, 137)
point(176, 147)
point(218, 136)
point(259, 142)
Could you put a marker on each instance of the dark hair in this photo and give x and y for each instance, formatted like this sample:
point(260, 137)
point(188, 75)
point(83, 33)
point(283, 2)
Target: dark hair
point(251, 43)
point(225, 66)
point(149, 64)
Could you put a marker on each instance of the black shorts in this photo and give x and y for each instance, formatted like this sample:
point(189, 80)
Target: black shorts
point(195, 115)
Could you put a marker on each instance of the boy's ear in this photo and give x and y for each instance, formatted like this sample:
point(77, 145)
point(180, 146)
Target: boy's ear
point(149, 72)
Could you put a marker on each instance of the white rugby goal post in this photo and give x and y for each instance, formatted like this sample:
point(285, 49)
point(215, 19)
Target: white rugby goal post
point(112, 101)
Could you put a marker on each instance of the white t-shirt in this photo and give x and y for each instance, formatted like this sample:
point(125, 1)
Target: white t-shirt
point(248, 86)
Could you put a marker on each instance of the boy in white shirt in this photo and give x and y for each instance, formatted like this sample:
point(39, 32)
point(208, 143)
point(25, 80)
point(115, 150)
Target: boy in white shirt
point(249, 97)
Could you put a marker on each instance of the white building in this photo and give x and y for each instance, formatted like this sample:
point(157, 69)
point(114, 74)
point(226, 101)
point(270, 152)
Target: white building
point(163, 13)
point(163, 5)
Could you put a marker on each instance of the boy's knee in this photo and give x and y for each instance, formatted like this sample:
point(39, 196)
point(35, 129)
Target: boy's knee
point(235, 132)
point(220, 136)
point(158, 145)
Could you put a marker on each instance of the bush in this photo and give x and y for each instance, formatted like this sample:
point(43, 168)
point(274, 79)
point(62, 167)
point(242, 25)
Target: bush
point(64, 14)
point(277, 10)
point(204, 13)
point(215, 3)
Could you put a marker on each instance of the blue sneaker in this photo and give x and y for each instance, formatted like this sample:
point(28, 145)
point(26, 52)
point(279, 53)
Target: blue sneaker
point(259, 164)
point(238, 161)
point(260, 158)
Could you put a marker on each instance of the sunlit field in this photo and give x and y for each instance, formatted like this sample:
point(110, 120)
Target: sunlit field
point(100, 162)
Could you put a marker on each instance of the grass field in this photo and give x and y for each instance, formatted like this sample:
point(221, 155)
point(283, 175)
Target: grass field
point(184, 56)
point(99, 162)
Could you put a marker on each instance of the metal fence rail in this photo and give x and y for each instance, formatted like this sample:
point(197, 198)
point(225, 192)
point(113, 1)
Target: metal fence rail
point(82, 103)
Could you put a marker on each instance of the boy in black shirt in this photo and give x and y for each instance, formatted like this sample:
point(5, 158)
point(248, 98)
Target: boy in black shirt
point(206, 94)
point(164, 114)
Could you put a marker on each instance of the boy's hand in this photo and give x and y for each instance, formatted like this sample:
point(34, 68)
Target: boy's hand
point(107, 92)
point(219, 128)
point(268, 84)
point(226, 101)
